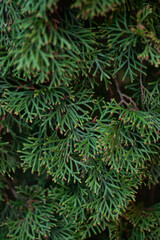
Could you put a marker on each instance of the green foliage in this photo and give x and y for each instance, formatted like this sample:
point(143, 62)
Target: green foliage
point(79, 119)
point(35, 216)
point(7, 158)
point(91, 8)
point(139, 223)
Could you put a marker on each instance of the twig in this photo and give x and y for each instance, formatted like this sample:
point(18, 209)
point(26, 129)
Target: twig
point(7, 200)
point(3, 119)
point(12, 189)
point(123, 96)
point(118, 89)
point(141, 84)
point(131, 100)
point(25, 86)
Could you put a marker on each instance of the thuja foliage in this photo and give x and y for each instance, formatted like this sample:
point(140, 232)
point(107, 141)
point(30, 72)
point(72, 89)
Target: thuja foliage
point(79, 119)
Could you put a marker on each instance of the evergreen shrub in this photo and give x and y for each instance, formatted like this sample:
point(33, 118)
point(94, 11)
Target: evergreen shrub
point(79, 119)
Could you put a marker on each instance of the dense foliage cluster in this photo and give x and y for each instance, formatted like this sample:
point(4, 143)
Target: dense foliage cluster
point(79, 119)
